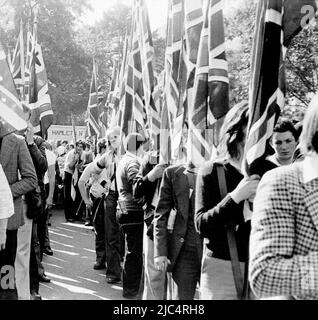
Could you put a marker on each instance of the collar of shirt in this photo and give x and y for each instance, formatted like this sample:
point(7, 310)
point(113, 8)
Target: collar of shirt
point(310, 168)
point(272, 158)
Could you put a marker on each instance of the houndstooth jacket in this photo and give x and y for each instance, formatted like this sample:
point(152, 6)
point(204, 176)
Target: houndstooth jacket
point(284, 236)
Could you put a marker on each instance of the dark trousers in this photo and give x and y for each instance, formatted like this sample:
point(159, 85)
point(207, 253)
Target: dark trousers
point(99, 226)
point(8, 289)
point(107, 240)
point(112, 237)
point(186, 273)
point(68, 201)
point(133, 258)
point(41, 221)
point(36, 266)
point(46, 238)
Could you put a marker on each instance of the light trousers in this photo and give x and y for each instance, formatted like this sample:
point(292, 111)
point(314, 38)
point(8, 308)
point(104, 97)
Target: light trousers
point(154, 280)
point(22, 260)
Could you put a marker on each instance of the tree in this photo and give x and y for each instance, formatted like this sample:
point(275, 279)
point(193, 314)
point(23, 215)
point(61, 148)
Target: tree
point(104, 40)
point(66, 63)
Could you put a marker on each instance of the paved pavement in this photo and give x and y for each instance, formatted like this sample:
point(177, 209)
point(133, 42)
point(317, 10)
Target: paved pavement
point(71, 266)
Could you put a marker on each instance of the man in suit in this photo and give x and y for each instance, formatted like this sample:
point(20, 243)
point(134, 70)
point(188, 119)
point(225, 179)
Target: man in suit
point(177, 245)
point(15, 159)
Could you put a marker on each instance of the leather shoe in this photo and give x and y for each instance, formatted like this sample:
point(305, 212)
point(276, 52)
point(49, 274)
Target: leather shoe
point(48, 251)
point(130, 296)
point(99, 266)
point(44, 278)
point(113, 280)
point(35, 296)
point(88, 224)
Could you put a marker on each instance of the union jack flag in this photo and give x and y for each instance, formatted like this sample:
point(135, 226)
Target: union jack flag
point(12, 116)
point(17, 64)
point(39, 99)
point(211, 85)
point(92, 107)
point(275, 28)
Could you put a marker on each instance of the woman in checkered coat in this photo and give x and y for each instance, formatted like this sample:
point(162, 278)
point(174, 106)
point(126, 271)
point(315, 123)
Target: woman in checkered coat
point(284, 236)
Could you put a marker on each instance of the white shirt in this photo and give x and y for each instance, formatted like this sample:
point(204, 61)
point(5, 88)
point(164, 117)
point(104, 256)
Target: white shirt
point(310, 167)
point(51, 158)
point(95, 179)
point(69, 158)
point(6, 199)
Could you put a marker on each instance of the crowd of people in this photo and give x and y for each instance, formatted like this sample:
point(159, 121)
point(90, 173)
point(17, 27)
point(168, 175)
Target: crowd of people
point(169, 231)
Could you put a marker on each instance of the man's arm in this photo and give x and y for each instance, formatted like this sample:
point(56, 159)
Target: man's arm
point(88, 171)
point(38, 155)
point(28, 179)
point(164, 206)
point(51, 176)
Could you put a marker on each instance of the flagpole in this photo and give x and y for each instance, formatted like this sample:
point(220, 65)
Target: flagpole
point(73, 128)
point(22, 60)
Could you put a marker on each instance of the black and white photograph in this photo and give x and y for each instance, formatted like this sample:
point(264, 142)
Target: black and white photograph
point(158, 150)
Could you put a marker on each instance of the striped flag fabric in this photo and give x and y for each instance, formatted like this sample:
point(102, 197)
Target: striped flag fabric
point(165, 135)
point(139, 108)
point(116, 117)
point(277, 22)
point(127, 107)
point(92, 107)
point(39, 98)
point(112, 102)
point(175, 70)
point(12, 116)
point(17, 63)
point(210, 100)
point(147, 56)
point(139, 76)
point(27, 66)
point(266, 97)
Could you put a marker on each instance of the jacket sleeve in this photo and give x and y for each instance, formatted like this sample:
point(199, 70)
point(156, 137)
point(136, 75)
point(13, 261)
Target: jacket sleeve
point(210, 210)
point(26, 168)
point(37, 151)
point(164, 206)
point(132, 170)
point(275, 269)
point(141, 183)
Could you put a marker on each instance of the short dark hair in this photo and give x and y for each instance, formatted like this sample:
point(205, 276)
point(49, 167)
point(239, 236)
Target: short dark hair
point(285, 125)
point(80, 142)
point(134, 141)
point(101, 144)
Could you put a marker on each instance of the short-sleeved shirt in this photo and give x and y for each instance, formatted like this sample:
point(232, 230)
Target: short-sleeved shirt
point(69, 158)
point(51, 159)
point(96, 179)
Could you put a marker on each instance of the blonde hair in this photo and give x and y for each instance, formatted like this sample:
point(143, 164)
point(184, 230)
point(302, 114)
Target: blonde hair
point(113, 130)
point(308, 140)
